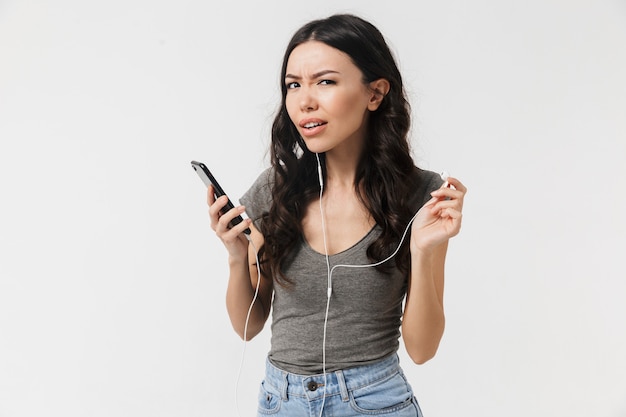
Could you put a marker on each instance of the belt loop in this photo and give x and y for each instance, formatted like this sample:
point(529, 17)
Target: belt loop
point(342, 386)
point(285, 386)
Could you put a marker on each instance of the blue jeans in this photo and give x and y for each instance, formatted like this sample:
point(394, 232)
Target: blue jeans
point(376, 389)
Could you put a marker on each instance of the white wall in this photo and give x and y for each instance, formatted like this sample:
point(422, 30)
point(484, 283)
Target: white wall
point(112, 283)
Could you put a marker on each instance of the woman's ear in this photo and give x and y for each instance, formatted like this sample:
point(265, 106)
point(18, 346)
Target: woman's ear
point(379, 89)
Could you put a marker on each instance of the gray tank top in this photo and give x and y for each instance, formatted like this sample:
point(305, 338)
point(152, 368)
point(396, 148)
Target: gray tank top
point(365, 307)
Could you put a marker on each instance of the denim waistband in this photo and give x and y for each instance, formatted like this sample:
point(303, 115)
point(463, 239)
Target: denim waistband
point(334, 383)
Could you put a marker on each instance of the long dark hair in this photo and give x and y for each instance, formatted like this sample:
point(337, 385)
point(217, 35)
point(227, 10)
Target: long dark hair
point(381, 181)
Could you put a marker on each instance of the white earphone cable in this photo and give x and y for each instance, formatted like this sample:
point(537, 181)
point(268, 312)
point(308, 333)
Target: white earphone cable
point(329, 285)
point(245, 328)
point(329, 281)
point(444, 176)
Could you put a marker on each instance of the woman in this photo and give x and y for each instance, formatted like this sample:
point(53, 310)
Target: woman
point(341, 190)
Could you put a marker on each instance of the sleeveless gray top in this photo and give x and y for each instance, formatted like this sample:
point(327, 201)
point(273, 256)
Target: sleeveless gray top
point(365, 307)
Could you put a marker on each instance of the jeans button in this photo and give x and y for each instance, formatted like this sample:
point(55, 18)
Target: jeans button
point(312, 385)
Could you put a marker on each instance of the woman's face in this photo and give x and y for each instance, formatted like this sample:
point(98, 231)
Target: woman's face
point(326, 98)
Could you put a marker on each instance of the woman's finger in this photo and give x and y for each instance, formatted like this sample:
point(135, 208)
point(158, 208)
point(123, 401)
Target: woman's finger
point(457, 184)
point(225, 219)
point(451, 193)
point(445, 204)
point(210, 195)
point(215, 210)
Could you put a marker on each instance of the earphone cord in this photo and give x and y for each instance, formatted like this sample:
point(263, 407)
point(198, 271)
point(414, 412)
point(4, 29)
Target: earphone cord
point(387, 258)
point(330, 273)
point(245, 328)
point(330, 277)
point(329, 288)
point(330, 282)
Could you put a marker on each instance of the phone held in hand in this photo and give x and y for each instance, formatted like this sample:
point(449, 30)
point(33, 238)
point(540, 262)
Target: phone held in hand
point(208, 179)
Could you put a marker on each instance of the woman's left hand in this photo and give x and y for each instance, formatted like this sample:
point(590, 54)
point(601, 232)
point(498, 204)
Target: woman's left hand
point(440, 218)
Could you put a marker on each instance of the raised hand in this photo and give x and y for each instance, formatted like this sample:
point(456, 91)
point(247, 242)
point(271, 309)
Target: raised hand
point(440, 218)
point(233, 238)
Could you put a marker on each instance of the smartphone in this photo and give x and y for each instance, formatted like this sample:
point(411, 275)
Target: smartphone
point(208, 179)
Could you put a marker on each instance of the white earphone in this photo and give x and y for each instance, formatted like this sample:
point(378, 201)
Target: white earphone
point(444, 176)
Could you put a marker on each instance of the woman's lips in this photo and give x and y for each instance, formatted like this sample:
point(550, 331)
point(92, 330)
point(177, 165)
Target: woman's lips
point(312, 127)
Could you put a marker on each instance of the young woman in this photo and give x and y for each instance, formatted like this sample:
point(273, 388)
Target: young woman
point(342, 190)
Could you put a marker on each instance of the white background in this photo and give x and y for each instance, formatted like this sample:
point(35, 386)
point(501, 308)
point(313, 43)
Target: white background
point(112, 283)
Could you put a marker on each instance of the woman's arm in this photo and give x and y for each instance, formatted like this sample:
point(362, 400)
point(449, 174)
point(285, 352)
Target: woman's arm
point(423, 320)
point(243, 272)
point(242, 283)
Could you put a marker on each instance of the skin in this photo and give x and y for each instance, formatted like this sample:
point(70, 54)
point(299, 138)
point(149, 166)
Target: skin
point(329, 104)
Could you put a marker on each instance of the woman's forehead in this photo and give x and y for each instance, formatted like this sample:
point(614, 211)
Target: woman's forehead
point(314, 56)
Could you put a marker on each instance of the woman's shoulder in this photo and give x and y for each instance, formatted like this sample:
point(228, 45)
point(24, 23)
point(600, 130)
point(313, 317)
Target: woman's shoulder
point(422, 183)
point(258, 198)
point(426, 177)
point(265, 180)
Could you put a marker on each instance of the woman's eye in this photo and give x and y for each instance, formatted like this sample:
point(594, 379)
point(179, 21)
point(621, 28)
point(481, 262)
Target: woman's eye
point(326, 82)
point(292, 85)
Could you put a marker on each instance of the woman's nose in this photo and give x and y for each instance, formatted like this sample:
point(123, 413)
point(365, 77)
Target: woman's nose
point(308, 101)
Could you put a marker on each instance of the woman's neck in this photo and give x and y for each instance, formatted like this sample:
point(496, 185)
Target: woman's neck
point(340, 171)
point(341, 166)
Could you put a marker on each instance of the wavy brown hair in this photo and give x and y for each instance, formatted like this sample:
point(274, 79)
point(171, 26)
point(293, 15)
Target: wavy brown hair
point(382, 177)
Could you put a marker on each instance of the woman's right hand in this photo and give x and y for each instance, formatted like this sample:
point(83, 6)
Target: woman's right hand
point(233, 238)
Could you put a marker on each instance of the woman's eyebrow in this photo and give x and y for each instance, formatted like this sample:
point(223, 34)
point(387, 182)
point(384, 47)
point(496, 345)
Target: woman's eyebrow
point(316, 75)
